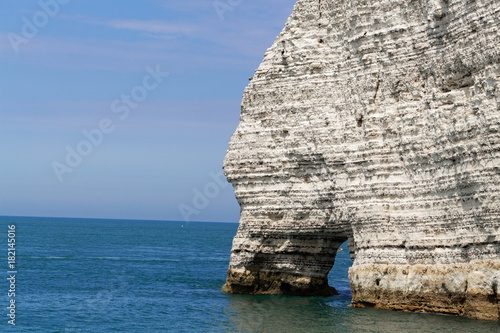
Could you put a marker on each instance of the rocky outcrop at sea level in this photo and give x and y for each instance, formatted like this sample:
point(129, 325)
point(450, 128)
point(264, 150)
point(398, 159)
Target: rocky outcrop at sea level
point(377, 123)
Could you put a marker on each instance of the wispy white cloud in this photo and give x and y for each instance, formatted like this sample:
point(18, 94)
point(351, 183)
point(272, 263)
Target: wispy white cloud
point(65, 79)
point(152, 26)
point(161, 27)
point(188, 34)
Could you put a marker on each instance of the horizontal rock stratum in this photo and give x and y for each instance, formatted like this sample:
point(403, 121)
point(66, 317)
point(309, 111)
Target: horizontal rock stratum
point(376, 122)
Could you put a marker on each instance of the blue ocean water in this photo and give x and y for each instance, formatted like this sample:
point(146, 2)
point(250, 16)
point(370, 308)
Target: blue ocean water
point(87, 275)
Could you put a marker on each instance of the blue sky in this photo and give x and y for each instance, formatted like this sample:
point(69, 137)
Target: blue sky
point(68, 66)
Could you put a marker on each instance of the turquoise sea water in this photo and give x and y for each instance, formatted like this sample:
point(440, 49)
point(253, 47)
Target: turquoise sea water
point(86, 275)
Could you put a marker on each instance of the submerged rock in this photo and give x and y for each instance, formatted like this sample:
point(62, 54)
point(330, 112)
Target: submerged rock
point(375, 122)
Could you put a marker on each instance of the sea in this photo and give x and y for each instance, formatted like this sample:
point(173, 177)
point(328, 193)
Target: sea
point(91, 275)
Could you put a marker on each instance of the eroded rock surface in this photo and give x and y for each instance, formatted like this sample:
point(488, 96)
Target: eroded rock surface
point(376, 122)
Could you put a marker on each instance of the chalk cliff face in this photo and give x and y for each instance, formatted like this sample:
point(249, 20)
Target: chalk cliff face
point(376, 122)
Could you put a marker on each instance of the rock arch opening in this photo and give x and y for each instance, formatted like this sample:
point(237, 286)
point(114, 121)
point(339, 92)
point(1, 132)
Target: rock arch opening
point(338, 277)
point(411, 179)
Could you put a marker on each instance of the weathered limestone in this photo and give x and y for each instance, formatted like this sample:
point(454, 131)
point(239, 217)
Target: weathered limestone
point(376, 122)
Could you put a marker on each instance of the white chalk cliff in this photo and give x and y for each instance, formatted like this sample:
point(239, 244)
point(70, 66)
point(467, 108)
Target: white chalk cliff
point(376, 122)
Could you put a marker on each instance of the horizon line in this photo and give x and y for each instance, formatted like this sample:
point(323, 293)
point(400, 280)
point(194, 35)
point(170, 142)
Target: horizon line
point(111, 219)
